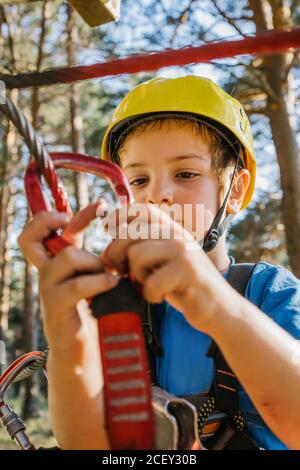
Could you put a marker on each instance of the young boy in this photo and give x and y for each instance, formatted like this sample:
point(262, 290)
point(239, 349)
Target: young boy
point(179, 141)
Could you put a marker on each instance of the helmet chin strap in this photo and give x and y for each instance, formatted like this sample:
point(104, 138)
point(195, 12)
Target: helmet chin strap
point(217, 227)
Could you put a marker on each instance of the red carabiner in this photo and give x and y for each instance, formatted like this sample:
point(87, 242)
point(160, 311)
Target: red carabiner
point(127, 387)
point(73, 161)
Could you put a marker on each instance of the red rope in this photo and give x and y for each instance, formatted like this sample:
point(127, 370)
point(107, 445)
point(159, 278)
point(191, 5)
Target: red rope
point(261, 44)
point(264, 43)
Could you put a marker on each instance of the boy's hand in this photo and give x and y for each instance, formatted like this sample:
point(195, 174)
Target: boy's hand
point(64, 280)
point(176, 269)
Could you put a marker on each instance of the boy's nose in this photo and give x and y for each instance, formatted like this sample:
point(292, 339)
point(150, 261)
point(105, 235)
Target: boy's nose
point(159, 194)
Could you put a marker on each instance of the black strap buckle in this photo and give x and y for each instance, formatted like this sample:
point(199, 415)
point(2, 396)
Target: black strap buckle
point(227, 437)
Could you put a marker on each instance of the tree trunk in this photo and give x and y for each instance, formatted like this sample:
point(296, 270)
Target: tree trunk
point(31, 323)
point(77, 137)
point(6, 259)
point(9, 158)
point(4, 198)
point(7, 190)
point(279, 106)
point(30, 332)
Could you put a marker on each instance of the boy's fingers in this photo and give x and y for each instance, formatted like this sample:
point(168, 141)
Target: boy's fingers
point(82, 219)
point(83, 287)
point(68, 263)
point(42, 224)
point(116, 254)
point(38, 256)
point(114, 257)
point(145, 257)
point(144, 212)
point(162, 282)
point(34, 233)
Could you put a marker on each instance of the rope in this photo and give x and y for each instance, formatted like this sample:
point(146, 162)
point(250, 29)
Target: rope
point(33, 367)
point(31, 138)
point(264, 43)
point(38, 150)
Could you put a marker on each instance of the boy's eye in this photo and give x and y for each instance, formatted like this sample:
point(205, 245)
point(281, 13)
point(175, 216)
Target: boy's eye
point(186, 174)
point(138, 182)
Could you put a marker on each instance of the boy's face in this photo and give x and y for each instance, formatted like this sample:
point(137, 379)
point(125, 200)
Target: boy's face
point(170, 166)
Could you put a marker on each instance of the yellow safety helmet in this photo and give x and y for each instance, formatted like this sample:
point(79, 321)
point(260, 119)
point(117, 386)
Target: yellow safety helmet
point(184, 96)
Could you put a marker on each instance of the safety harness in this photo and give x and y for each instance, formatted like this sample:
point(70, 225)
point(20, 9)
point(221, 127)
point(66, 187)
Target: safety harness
point(220, 408)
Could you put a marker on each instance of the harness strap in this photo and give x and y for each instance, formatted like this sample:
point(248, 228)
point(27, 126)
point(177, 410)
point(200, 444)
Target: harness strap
point(227, 438)
point(239, 275)
point(127, 388)
point(225, 385)
point(224, 391)
point(151, 326)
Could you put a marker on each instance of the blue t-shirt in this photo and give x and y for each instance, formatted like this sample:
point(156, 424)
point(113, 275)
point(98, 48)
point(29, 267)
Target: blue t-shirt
point(186, 370)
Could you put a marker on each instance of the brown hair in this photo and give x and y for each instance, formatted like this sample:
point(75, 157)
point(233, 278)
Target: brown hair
point(223, 154)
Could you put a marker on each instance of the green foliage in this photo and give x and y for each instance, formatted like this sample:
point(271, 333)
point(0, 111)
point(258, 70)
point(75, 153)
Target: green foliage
point(260, 233)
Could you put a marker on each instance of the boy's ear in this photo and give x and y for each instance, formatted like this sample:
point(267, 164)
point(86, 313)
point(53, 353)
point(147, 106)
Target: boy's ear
point(238, 191)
